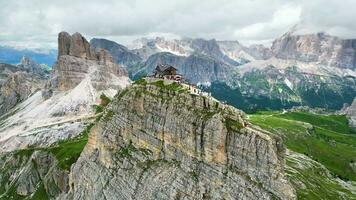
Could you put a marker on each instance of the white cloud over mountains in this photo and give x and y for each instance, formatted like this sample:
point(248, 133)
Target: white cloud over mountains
point(36, 23)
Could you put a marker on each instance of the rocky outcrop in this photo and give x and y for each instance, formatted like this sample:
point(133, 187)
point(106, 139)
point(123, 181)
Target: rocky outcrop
point(17, 83)
point(30, 66)
point(76, 60)
point(243, 54)
point(31, 174)
point(18, 87)
point(75, 45)
point(157, 141)
point(317, 48)
point(212, 49)
point(259, 51)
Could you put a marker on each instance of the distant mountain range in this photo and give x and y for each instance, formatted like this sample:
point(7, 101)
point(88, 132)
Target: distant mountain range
point(316, 70)
point(11, 55)
point(84, 130)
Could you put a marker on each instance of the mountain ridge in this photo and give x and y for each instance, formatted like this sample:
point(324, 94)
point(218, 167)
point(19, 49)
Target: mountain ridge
point(211, 68)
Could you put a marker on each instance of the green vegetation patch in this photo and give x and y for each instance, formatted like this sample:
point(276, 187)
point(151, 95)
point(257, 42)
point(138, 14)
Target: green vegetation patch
point(337, 123)
point(67, 152)
point(312, 181)
point(39, 194)
point(99, 109)
point(173, 86)
point(324, 138)
point(233, 125)
point(140, 82)
point(104, 100)
point(122, 93)
point(108, 116)
point(126, 152)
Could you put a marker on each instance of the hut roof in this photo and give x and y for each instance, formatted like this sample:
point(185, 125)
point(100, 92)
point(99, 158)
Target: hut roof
point(165, 67)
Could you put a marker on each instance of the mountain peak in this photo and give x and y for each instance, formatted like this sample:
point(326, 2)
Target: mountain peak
point(25, 60)
point(74, 45)
point(77, 59)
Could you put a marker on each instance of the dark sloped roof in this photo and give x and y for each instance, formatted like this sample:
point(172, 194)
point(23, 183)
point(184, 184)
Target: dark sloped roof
point(164, 67)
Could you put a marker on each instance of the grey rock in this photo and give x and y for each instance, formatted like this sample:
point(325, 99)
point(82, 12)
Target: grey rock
point(75, 59)
point(155, 143)
point(19, 82)
point(23, 172)
point(121, 54)
point(30, 66)
point(74, 45)
point(320, 48)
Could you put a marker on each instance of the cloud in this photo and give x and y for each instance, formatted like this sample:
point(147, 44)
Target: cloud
point(36, 23)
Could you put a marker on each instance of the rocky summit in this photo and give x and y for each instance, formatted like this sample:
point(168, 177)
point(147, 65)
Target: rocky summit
point(62, 107)
point(158, 141)
point(77, 59)
point(317, 48)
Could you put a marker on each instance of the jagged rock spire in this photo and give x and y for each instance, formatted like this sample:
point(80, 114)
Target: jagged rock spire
point(75, 45)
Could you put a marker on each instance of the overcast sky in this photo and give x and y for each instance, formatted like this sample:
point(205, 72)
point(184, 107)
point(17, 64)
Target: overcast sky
point(36, 23)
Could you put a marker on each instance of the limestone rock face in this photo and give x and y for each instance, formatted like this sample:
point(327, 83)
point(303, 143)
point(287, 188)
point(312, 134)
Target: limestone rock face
point(17, 88)
point(75, 45)
point(121, 54)
point(319, 48)
point(30, 66)
point(76, 60)
point(64, 43)
point(19, 82)
point(156, 142)
point(24, 174)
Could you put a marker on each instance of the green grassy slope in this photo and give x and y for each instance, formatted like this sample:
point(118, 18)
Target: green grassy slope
point(66, 153)
point(326, 139)
point(313, 181)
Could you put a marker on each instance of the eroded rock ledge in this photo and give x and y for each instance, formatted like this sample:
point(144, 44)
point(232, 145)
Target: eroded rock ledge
point(157, 141)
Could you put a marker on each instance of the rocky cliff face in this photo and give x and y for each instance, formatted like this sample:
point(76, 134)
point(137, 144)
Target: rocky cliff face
point(121, 54)
point(157, 141)
point(18, 87)
point(30, 66)
point(318, 48)
point(244, 54)
point(183, 47)
point(17, 83)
